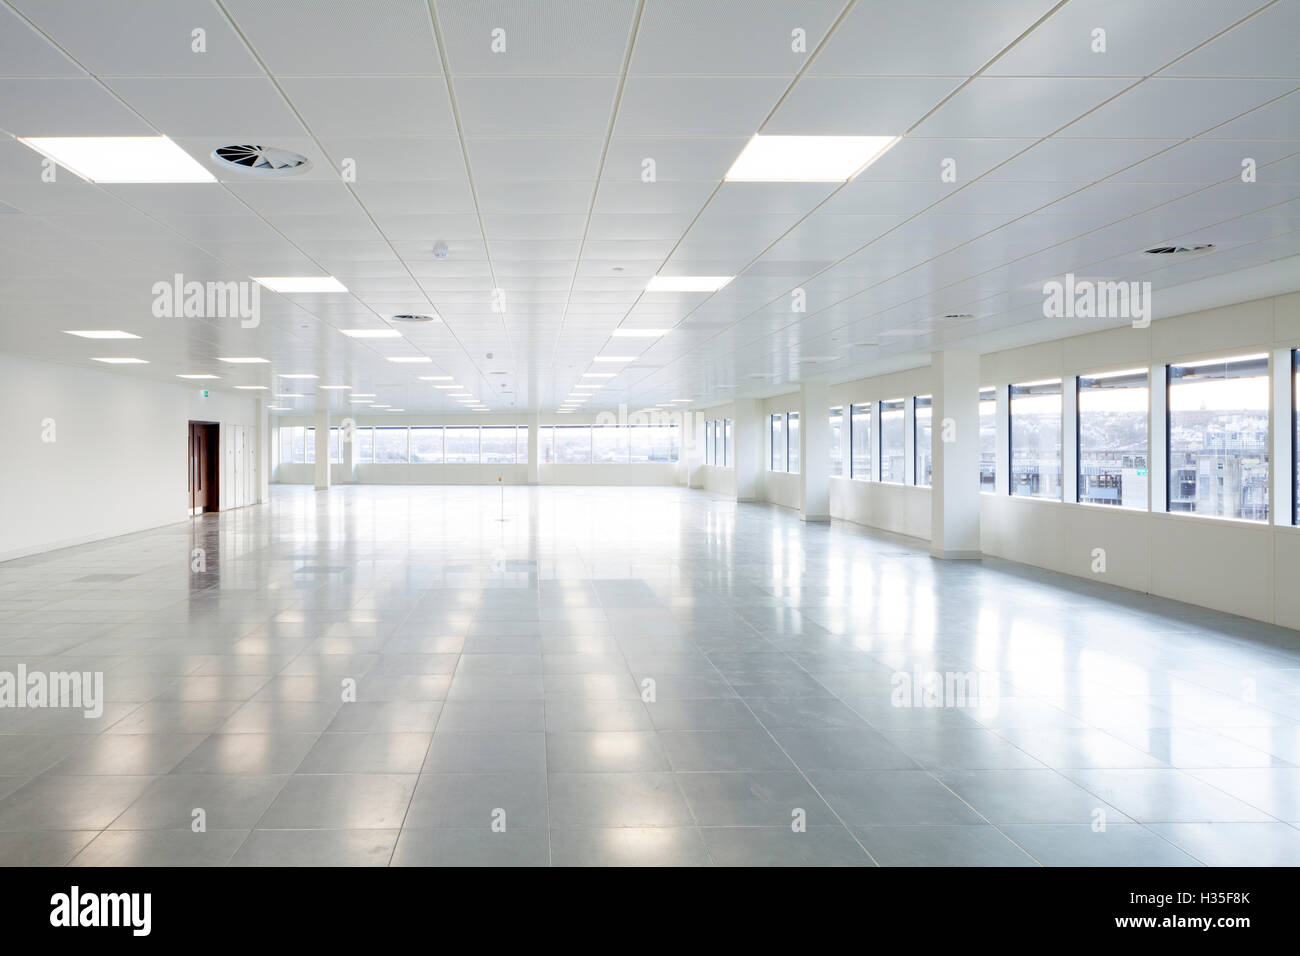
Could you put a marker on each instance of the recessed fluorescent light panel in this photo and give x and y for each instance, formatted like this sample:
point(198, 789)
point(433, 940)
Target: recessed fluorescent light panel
point(252, 388)
point(335, 387)
point(122, 159)
point(196, 376)
point(371, 333)
point(244, 360)
point(639, 333)
point(123, 361)
point(301, 283)
point(101, 334)
point(687, 283)
point(409, 359)
point(299, 375)
point(806, 159)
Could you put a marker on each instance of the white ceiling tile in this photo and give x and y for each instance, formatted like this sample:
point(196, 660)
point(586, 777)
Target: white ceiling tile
point(674, 158)
point(925, 37)
point(1168, 108)
point(143, 37)
point(1139, 37)
point(319, 37)
point(722, 37)
point(696, 106)
point(615, 196)
point(1277, 120)
point(534, 158)
point(535, 105)
point(919, 159)
point(542, 37)
point(1262, 46)
point(65, 107)
point(1059, 160)
point(228, 109)
point(857, 105)
point(1019, 106)
point(360, 106)
point(384, 159)
point(24, 52)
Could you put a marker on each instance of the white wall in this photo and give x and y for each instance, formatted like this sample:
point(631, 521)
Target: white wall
point(1241, 567)
point(118, 461)
point(900, 508)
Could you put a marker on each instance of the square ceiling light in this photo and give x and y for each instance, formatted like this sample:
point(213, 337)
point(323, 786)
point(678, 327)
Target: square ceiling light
point(102, 334)
point(113, 360)
point(301, 283)
point(244, 360)
point(122, 159)
point(806, 159)
point(687, 283)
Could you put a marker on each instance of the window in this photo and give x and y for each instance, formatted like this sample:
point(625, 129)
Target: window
point(837, 446)
point(792, 442)
point(860, 442)
point(988, 439)
point(498, 444)
point(546, 444)
point(891, 440)
point(708, 443)
point(521, 444)
point(365, 444)
point(719, 450)
point(1295, 433)
point(922, 440)
point(460, 446)
point(728, 444)
point(573, 444)
point(1036, 439)
point(653, 443)
point(336, 446)
point(1218, 438)
point(295, 441)
point(777, 427)
point(609, 444)
point(1113, 422)
point(426, 446)
point(390, 445)
point(309, 447)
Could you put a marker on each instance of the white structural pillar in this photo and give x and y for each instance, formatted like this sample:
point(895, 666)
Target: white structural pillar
point(322, 443)
point(814, 451)
point(750, 443)
point(534, 448)
point(954, 494)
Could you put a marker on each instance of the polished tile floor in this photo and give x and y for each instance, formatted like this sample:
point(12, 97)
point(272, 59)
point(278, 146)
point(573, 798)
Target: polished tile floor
point(625, 676)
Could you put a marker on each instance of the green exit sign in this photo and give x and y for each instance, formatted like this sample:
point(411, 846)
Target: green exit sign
point(204, 393)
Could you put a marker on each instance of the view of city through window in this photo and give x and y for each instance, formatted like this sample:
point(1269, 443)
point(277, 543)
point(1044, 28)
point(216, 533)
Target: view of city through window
point(860, 442)
point(923, 406)
point(1113, 443)
point(1036, 439)
point(1218, 438)
point(891, 440)
point(988, 438)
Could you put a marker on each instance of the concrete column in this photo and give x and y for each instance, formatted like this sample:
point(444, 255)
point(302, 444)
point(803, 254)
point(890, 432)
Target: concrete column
point(265, 453)
point(692, 450)
point(814, 451)
point(322, 423)
point(348, 446)
point(534, 448)
point(954, 495)
point(750, 448)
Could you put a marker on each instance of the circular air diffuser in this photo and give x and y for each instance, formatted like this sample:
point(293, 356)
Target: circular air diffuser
point(261, 160)
point(1177, 250)
point(414, 317)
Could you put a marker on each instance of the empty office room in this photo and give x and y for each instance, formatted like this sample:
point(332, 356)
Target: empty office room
point(649, 433)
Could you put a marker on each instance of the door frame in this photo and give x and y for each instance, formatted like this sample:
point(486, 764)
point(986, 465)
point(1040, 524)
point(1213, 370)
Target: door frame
point(211, 432)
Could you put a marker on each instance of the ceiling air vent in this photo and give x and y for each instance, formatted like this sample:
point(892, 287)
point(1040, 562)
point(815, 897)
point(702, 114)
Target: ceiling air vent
point(1177, 250)
point(261, 160)
point(414, 317)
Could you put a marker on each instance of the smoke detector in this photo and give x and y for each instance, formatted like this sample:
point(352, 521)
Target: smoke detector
point(1177, 250)
point(414, 317)
point(261, 160)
